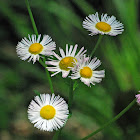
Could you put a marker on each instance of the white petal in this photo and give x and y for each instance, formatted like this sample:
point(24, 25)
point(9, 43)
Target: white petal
point(62, 52)
point(65, 74)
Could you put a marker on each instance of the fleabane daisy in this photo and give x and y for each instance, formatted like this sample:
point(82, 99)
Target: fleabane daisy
point(48, 112)
point(86, 72)
point(138, 98)
point(66, 62)
point(107, 25)
point(32, 47)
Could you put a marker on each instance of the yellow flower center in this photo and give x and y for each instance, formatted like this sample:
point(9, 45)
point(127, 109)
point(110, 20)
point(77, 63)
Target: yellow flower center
point(47, 112)
point(35, 48)
point(102, 26)
point(67, 62)
point(86, 72)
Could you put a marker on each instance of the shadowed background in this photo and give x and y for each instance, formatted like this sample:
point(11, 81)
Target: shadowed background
point(92, 107)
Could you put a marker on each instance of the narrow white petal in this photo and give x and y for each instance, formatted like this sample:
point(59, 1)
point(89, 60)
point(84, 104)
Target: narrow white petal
point(62, 52)
point(74, 50)
point(65, 74)
point(70, 50)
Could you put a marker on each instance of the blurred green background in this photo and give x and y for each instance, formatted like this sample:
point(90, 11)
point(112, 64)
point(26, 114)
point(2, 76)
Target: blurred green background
point(92, 107)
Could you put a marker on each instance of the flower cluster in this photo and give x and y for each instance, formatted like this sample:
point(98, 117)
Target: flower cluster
point(50, 112)
point(81, 66)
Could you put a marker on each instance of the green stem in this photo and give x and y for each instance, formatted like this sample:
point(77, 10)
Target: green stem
point(31, 17)
point(42, 63)
point(36, 32)
point(111, 121)
point(97, 44)
point(70, 96)
point(36, 92)
point(56, 135)
point(47, 73)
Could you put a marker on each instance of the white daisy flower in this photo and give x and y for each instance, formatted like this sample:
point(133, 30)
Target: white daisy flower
point(107, 25)
point(86, 72)
point(66, 62)
point(31, 48)
point(48, 112)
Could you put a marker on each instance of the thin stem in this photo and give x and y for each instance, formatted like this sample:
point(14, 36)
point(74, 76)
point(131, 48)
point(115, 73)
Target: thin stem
point(31, 17)
point(42, 63)
point(111, 121)
point(50, 81)
point(97, 44)
point(70, 96)
point(36, 32)
point(36, 92)
point(47, 73)
point(56, 135)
